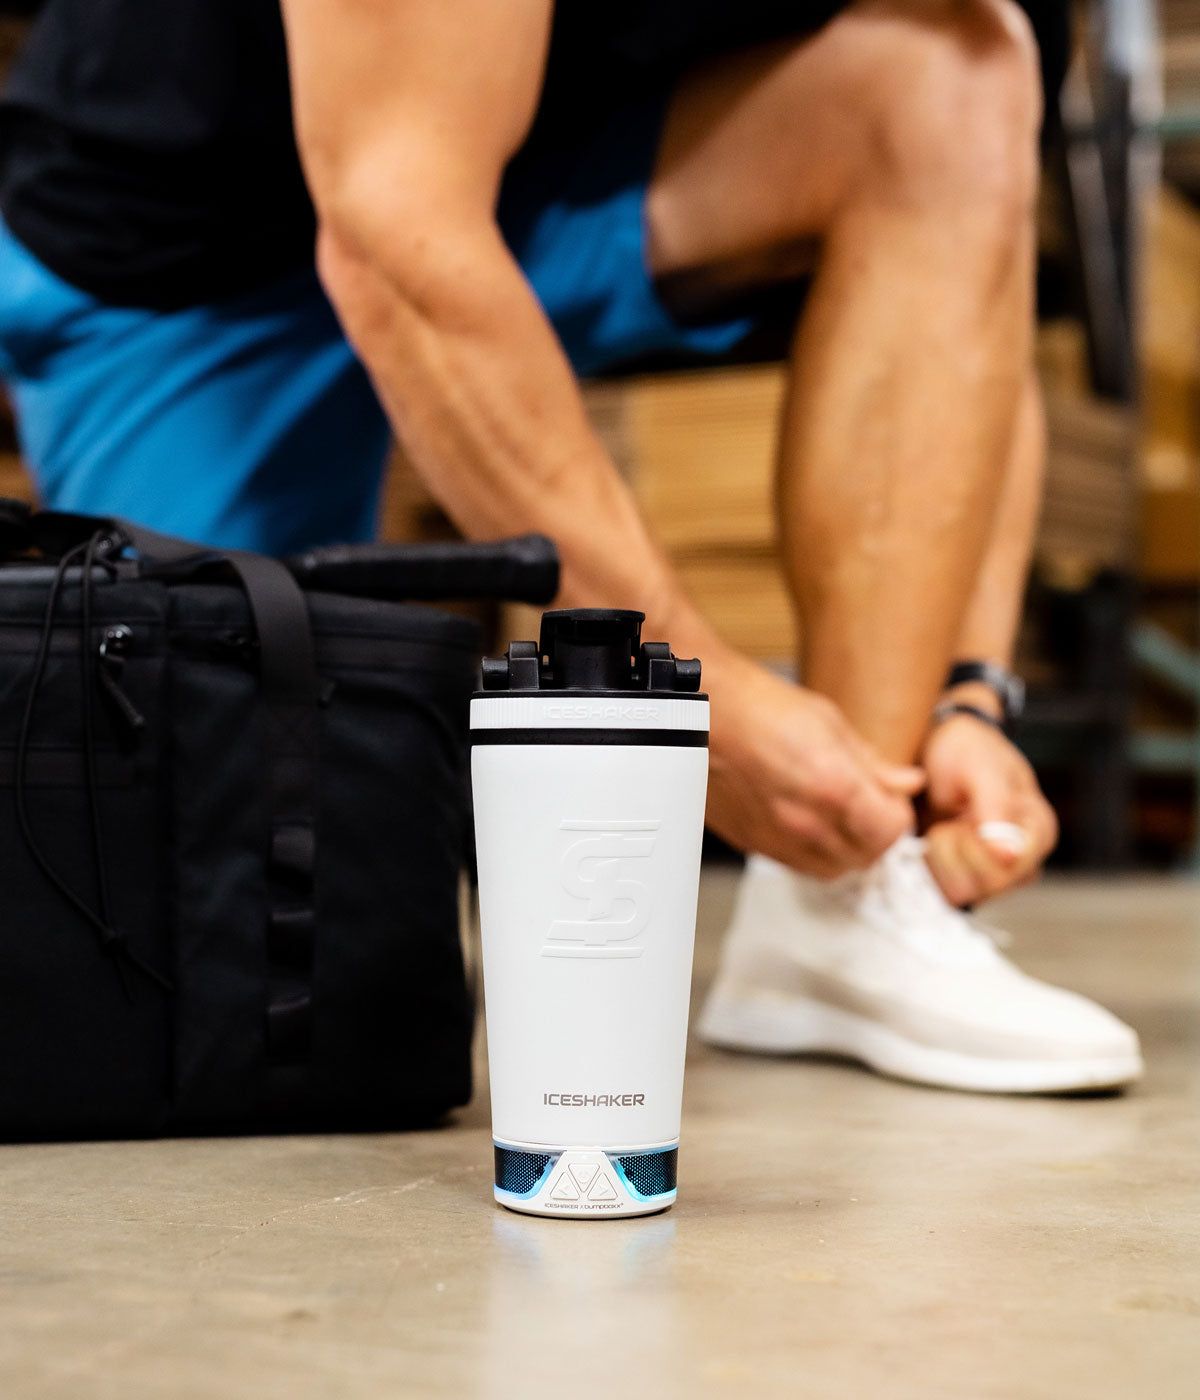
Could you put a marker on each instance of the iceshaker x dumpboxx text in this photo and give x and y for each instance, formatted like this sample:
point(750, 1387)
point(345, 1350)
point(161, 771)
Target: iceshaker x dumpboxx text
point(589, 763)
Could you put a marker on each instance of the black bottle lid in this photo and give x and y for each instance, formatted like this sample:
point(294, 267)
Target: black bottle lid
point(599, 650)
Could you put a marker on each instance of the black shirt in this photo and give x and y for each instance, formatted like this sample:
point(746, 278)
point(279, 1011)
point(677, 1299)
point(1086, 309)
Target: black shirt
point(146, 146)
point(147, 151)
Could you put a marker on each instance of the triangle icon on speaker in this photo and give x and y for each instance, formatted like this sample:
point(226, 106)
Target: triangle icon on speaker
point(602, 1190)
point(583, 1173)
point(564, 1189)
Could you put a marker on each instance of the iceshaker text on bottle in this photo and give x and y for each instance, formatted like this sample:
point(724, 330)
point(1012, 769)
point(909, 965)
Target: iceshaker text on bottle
point(589, 762)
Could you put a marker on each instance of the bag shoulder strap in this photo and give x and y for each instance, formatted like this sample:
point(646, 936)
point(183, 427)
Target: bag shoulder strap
point(288, 684)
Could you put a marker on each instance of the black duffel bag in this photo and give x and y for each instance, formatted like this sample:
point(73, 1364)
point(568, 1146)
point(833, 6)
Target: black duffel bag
point(233, 817)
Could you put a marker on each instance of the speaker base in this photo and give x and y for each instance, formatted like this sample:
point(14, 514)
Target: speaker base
point(585, 1183)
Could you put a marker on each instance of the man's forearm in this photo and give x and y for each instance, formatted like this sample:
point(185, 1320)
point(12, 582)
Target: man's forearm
point(490, 414)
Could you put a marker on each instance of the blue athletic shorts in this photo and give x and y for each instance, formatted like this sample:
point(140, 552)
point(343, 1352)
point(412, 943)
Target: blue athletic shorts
point(250, 423)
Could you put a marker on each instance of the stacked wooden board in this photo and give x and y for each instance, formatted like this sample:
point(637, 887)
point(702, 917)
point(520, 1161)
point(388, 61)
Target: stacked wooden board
point(14, 483)
point(1179, 29)
point(1089, 510)
point(1170, 354)
point(698, 449)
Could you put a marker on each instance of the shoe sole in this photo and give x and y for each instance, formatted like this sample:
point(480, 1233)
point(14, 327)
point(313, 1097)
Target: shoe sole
point(802, 1026)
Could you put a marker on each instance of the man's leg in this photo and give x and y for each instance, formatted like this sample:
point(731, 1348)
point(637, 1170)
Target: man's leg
point(903, 138)
point(906, 139)
point(976, 778)
point(993, 615)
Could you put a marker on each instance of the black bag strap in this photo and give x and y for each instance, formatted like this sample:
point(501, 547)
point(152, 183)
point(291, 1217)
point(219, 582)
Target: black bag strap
point(288, 687)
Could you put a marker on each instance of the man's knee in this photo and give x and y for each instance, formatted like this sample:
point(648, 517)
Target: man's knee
point(957, 113)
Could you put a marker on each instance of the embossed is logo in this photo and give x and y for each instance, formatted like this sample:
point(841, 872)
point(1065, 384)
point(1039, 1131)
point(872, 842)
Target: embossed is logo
point(609, 904)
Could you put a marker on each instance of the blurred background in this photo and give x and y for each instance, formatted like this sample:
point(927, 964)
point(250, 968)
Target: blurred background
point(1111, 641)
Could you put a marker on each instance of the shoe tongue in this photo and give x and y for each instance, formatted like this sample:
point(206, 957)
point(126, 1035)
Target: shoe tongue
point(922, 914)
point(907, 877)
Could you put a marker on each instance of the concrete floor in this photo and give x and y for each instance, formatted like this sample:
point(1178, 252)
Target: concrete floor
point(836, 1235)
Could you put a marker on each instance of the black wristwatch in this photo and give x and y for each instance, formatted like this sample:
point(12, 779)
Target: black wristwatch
point(1007, 688)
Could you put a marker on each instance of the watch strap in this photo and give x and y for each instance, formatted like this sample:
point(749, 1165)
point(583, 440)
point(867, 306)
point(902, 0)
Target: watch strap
point(949, 708)
point(1008, 688)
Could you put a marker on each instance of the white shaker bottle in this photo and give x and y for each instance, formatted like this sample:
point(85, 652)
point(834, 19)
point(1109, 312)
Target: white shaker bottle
point(589, 763)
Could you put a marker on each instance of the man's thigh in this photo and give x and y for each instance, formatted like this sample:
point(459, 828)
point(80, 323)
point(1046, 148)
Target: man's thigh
point(577, 206)
point(246, 424)
point(572, 210)
point(762, 147)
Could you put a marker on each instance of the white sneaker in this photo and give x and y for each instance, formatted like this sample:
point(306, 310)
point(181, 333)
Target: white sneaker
point(879, 967)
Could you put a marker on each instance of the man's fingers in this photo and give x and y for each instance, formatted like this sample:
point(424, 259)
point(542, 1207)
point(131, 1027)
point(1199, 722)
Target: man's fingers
point(1005, 833)
point(993, 868)
point(973, 861)
point(947, 866)
point(990, 827)
point(1022, 833)
point(846, 816)
point(868, 799)
point(1004, 836)
point(872, 819)
point(1042, 824)
point(1007, 841)
point(905, 780)
point(814, 844)
point(962, 865)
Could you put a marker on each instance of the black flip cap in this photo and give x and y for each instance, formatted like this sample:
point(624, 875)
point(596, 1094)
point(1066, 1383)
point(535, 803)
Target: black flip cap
point(593, 649)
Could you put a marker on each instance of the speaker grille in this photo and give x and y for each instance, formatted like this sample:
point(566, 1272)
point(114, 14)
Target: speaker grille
point(651, 1173)
point(520, 1172)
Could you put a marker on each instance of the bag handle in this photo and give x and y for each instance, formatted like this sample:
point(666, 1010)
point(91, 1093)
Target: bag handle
point(524, 569)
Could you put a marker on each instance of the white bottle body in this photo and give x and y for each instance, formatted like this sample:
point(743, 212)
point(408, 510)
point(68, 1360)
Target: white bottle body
point(589, 862)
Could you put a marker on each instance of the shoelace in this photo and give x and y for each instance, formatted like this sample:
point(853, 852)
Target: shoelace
point(112, 940)
point(920, 913)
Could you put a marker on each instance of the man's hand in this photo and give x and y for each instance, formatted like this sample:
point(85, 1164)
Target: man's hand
point(790, 778)
point(990, 827)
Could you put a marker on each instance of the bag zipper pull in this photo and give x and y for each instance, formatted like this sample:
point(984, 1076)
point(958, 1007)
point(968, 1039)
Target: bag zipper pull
point(112, 664)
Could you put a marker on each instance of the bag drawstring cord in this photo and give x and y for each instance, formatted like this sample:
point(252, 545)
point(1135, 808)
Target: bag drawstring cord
point(112, 940)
